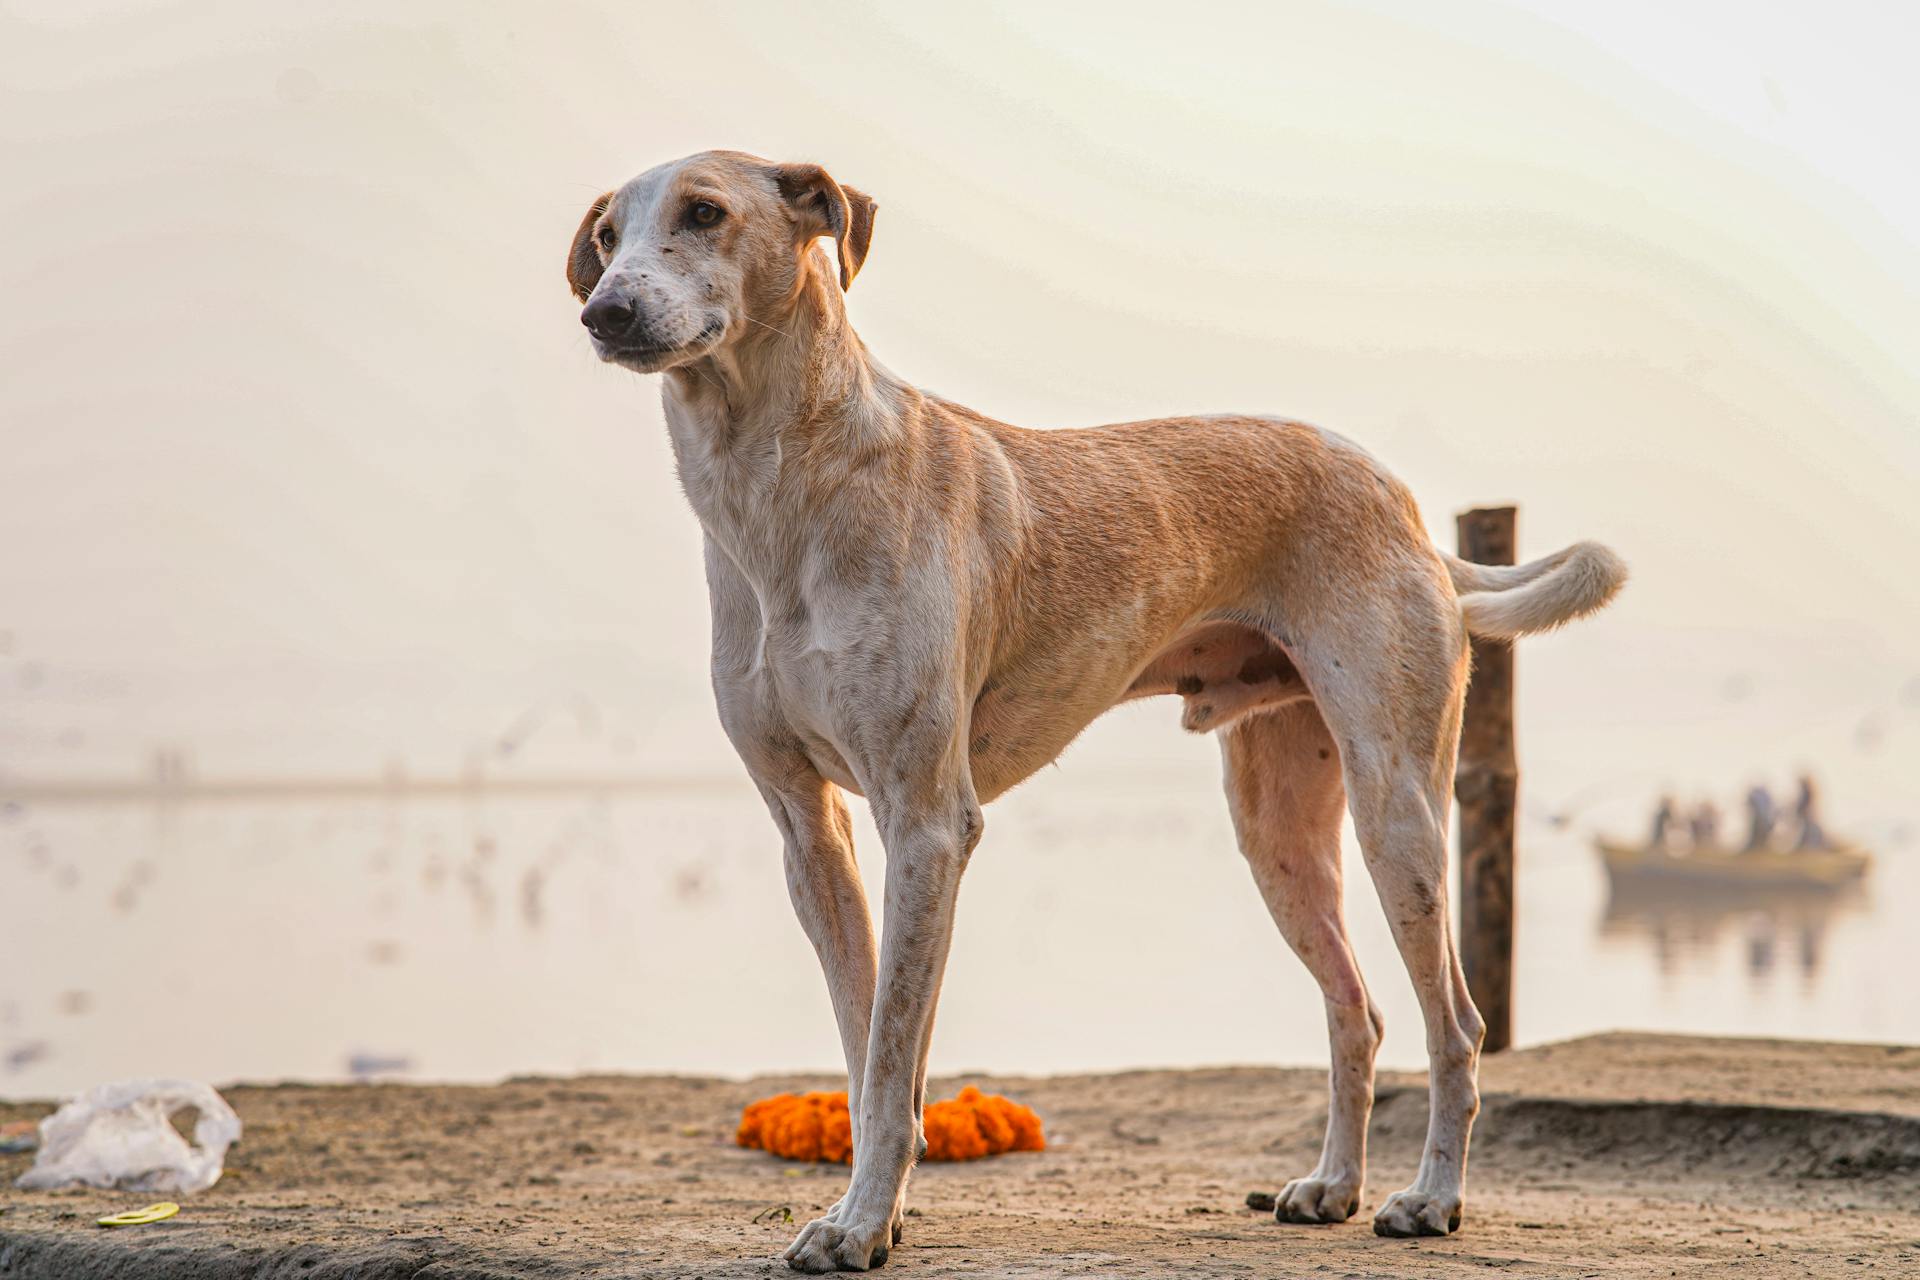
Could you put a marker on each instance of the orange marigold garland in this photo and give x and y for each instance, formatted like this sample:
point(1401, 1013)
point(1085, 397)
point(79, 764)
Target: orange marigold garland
point(800, 1126)
point(814, 1126)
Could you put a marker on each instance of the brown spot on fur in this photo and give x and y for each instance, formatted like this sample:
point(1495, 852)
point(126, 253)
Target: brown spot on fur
point(1270, 665)
point(1324, 753)
point(1187, 685)
point(982, 744)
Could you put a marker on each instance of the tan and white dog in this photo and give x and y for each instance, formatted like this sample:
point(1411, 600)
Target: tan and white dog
point(923, 606)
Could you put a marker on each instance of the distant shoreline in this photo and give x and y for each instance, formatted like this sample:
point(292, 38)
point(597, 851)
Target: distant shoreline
point(54, 791)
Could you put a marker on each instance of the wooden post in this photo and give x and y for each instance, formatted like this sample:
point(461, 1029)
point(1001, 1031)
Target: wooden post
point(1486, 784)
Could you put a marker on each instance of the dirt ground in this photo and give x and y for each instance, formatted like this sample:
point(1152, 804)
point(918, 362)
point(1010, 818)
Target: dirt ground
point(1619, 1155)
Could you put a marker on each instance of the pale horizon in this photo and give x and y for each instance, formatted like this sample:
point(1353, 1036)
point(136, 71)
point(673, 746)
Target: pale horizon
point(311, 468)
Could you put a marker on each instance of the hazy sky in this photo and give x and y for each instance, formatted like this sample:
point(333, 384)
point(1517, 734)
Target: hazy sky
point(307, 462)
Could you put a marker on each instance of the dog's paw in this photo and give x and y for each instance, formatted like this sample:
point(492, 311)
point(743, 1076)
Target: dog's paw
point(1318, 1200)
point(1415, 1213)
point(829, 1245)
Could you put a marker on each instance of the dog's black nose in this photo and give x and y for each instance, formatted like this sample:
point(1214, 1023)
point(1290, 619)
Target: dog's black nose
point(608, 317)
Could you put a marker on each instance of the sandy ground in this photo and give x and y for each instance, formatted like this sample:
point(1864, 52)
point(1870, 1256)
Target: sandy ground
point(1615, 1155)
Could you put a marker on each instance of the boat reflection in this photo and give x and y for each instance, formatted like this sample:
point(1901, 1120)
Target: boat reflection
point(1779, 928)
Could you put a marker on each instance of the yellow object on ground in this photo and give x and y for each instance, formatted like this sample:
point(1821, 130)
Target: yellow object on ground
point(140, 1217)
point(814, 1126)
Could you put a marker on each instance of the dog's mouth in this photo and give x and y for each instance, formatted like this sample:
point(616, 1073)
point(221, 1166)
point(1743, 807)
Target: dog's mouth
point(653, 357)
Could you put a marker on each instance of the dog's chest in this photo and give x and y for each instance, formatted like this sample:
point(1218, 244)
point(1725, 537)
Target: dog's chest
point(795, 687)
point(817, 659)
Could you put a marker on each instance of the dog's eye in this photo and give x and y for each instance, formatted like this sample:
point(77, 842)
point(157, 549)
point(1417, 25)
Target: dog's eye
point(705, 214)
point(607, 236)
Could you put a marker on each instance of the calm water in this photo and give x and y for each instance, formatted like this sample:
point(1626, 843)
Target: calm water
point(1107, 921)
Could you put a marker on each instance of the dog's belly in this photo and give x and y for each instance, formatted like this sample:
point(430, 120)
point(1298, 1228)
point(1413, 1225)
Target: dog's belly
point(1015, 732)
point(1027, 715)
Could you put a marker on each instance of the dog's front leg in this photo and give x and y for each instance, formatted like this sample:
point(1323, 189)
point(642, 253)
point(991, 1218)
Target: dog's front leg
point(823, 880)
point(929, 832)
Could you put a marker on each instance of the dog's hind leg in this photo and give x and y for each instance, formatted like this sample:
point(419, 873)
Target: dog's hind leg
point(1395, 711)
point(1285, 793)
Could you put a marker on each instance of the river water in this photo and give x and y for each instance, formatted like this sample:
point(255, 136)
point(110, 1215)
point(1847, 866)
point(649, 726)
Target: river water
point(1106, 922)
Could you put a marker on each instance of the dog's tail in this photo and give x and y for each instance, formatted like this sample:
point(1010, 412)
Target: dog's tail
point(1500, 602)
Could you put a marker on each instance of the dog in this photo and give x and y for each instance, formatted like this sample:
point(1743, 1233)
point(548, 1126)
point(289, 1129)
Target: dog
point(921, 605)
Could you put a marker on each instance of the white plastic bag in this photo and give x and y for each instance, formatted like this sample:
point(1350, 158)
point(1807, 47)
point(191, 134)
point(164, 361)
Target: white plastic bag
point(119, 1136)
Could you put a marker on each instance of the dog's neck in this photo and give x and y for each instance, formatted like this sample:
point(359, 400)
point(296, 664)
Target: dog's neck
point(798, 390)
point(802, 366)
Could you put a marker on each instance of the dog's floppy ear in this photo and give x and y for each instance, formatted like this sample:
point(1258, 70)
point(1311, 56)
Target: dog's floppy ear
point(822, 207)
point(583, 259)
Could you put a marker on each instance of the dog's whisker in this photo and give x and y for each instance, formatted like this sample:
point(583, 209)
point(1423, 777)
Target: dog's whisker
point(764, 325)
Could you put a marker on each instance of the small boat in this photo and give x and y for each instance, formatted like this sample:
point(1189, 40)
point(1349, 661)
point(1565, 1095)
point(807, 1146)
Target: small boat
point(1832, 867)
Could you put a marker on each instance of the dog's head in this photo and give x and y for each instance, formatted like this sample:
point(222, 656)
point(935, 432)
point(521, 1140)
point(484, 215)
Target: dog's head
point(688, 257)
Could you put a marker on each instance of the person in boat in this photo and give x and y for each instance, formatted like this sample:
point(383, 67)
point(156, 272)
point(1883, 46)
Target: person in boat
point(1762, 817)
point(1806, 812)
point(1665, 822)
point(1704, 826)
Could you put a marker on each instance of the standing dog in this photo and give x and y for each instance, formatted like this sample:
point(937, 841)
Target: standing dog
point(923, 606)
